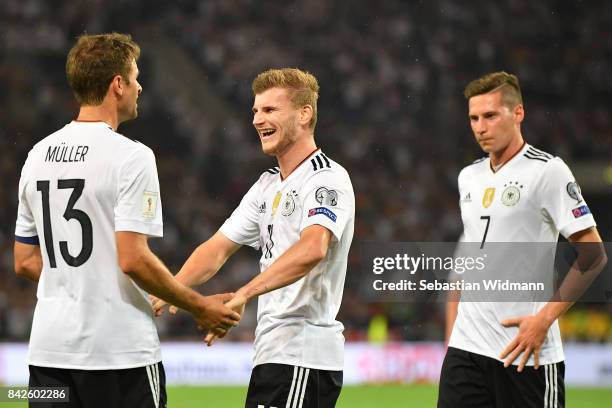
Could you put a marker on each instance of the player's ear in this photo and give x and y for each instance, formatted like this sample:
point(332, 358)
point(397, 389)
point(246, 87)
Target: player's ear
point(305, 115)
point(519, 113)
point(117, 84)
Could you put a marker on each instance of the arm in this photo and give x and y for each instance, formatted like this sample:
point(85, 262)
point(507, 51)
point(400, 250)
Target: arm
point(28, 261)
point(140, 264)
point(207, 259)
point(452, 307)
point(533, 329)
point(586, 268)
point(292, 265)
point(202, 265)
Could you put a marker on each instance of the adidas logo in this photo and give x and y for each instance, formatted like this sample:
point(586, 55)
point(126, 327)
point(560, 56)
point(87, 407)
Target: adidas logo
point(467, 198)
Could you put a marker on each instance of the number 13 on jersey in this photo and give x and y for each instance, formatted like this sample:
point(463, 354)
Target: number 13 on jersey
point(77, 186)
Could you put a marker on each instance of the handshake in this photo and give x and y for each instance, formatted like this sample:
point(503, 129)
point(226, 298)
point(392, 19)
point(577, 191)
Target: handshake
point(216, 313)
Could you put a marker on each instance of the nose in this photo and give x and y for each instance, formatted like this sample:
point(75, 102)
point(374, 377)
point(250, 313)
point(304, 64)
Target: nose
point(257, 119)
point(139, 89)
point(479, 126)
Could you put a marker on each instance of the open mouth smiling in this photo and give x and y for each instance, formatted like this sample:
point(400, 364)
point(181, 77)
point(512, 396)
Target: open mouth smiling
point(265, 133)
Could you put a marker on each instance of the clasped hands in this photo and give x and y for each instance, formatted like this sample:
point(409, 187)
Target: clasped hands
point(216, 313)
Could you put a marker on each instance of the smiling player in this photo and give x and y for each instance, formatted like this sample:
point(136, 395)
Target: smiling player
point(301, 215)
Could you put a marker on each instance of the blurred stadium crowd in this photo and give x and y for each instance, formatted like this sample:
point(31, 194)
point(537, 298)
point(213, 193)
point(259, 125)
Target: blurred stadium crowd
point(391, 111)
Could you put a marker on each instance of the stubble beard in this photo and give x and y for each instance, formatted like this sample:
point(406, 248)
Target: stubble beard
point(284, 143)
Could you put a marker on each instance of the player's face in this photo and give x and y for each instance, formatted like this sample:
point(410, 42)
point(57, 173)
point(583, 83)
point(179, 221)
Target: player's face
point(494, 124)
point(128, 108)
point(276, 121)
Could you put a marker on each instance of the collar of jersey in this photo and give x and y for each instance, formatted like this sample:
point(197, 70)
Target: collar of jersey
point(318, 149)
point(511, 159)
point(91, 122)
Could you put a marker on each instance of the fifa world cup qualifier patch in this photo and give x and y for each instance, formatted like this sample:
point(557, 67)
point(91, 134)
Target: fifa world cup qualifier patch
point(149, 204)
point(580, 211)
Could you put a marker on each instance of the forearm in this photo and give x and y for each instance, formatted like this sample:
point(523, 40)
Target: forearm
point(152, 276)
point(290, 267)
point(28, 261)
point(452, 308)
point(202, 265)
point(553, 310)
point(207, 259)
point(31, 268)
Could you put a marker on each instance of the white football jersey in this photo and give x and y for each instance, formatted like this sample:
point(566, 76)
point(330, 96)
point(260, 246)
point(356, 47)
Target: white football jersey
point(78, 187)
point(296, 325)
point(532, 198)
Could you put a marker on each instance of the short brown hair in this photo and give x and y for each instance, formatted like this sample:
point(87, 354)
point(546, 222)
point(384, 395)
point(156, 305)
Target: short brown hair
point(95, 60)
point(303, 87)
point(507, 83)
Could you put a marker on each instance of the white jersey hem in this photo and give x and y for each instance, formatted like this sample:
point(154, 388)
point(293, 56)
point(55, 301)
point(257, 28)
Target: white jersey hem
point(300, 364)
point(557, 351)
point(93, 368)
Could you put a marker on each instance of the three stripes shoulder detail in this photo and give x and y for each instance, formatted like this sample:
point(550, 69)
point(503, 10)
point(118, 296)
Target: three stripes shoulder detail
point(319, 162)
point(535, 154)
point(273, 170)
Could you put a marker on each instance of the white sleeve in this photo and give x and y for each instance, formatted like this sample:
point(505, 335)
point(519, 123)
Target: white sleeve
point(242, 226)
point(562, 200)
point(328, 200)
point(138, 207)
point(25, 227)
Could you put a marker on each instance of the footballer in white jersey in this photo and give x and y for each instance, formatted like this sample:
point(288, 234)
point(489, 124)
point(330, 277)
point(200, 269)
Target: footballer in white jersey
point(509, 354)
point(78, 186)
point(301, 216)
point(532, 198)
point(89, 198)
point(297, 324)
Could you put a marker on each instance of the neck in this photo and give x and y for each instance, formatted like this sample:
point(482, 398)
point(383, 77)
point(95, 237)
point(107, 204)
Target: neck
point(294, 156)
point(99, 113)
point(501, 157)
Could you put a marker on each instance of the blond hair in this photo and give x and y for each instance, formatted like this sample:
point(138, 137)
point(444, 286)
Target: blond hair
point(95, 60)
point(502, 81)
point(302, 86)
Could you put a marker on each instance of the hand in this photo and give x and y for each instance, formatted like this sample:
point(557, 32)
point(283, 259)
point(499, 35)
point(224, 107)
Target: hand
point(237, 303)
point(532, 333)
point(214, 314)
point(158, 306)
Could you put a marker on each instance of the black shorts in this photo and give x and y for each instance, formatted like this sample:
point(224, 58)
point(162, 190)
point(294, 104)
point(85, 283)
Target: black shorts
point(141, 387)
point(474, 381)
point(281, 385)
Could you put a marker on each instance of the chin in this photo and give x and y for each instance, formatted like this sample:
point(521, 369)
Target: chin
point(487, 148)
point(269, 150)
